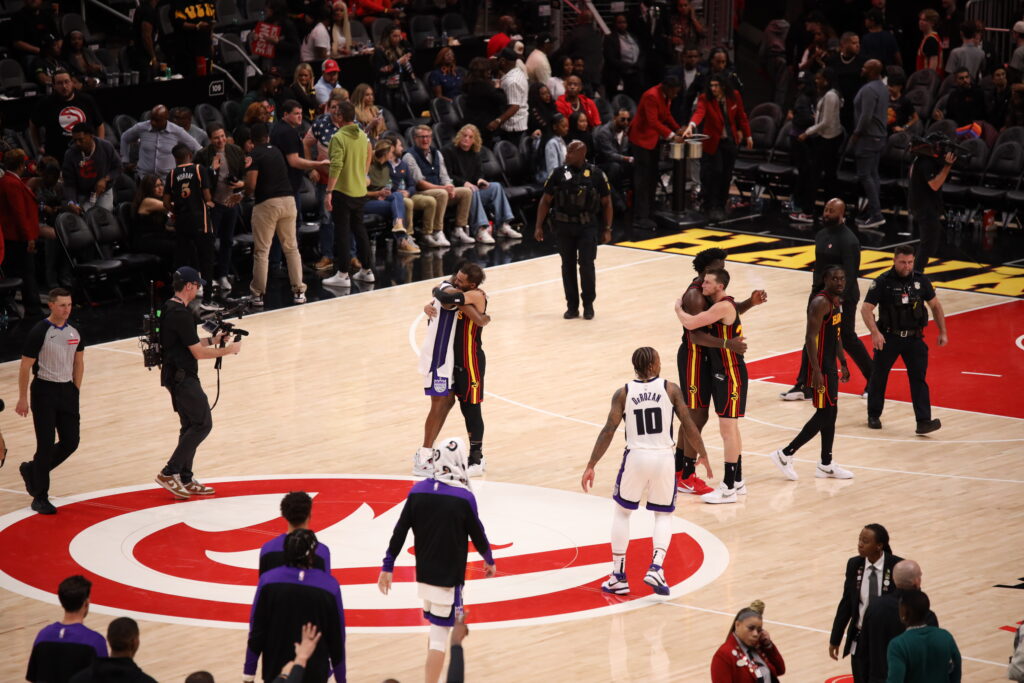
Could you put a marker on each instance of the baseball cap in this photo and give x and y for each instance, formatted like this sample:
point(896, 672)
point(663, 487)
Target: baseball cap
point(1019, 27)
point(188, 274)
point(330, 66)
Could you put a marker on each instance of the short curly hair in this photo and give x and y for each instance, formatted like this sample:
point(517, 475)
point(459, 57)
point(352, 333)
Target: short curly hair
point(706, 257)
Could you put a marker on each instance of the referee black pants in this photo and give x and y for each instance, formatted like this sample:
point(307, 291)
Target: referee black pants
point(189, 401)
point(54, 409)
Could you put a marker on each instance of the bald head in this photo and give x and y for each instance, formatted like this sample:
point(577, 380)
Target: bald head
point(872, 70)
point(835, 211)
point(158, 117)
point(907, 575)
point(576, 153)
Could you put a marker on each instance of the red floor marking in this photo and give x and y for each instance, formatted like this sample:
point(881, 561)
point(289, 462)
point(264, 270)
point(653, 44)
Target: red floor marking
point(982, 341)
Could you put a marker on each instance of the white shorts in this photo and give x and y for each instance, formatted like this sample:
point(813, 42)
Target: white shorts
point(440, 603)
point(647, 472)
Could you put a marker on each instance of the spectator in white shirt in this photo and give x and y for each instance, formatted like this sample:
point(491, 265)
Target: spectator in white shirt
point(317, 43)
point(517, 90)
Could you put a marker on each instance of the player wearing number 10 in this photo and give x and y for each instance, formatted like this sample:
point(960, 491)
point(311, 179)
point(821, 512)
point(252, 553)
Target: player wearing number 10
point(648, 404)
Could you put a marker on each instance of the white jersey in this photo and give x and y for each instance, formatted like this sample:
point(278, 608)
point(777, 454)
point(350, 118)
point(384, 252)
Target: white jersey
point(437, 360)
point(649, 415)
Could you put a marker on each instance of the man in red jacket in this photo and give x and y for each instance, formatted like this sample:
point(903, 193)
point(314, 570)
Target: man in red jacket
point(652, 123)
point(19, 220)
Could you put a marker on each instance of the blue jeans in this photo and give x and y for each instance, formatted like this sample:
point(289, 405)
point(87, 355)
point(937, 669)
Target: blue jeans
point(224, 219)
point(392, 208)
point(491, 197)
point(868, 155)
point(326, 223)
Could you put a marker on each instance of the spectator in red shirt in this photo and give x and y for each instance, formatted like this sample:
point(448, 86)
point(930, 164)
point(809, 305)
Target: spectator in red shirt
point(653, 123)
point(19, 220)
point(574, 100)
point(501, 39)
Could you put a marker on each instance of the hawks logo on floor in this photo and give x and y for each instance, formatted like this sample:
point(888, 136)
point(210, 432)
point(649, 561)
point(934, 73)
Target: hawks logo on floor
point(195, 562)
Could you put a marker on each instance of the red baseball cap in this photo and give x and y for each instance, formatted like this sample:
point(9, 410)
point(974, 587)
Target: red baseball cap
point(330, 65)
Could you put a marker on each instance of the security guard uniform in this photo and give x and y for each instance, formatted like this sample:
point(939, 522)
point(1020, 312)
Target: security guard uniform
point(576, 214)
point(902, 317)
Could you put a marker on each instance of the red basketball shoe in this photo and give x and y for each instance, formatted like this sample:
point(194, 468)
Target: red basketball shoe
point(692, 484)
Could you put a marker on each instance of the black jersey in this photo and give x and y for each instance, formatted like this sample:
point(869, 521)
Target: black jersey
point(826, 340)
point(186, 183)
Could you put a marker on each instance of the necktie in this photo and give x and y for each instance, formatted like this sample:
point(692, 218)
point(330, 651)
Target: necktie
point(872, 585)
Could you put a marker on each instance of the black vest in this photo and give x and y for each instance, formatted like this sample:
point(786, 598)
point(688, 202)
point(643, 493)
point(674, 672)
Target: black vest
point(431, 171)
point(577, 199)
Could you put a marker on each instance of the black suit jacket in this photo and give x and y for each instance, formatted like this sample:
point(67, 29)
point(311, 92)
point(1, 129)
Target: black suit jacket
point(882, 624)
point(607, 148)
point(849, 604)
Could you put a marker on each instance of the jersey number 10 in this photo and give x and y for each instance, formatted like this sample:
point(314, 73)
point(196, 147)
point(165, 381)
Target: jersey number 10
point(648, 421)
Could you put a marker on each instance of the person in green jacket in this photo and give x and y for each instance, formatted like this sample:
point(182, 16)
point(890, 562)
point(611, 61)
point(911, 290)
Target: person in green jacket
point(349, 154)
point(922, 653)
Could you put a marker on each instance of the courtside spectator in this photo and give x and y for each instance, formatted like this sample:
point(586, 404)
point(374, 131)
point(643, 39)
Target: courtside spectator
point(227, 161)
point(623, 61)
point(870, 115)
point(542, 111)
point(585, 43)
point(445, 81)
point(970, 54)
point(348, 154)
point(297, 511)
point(65, 647)
point(91, 165)
point(429, 173)
point(383, 201)
point(368, 114)
point(19, 220)
point(575, 100)
point(81, 62)
point(1016, 66)
point(287, 43)
point(316, 46)
point(182, 117)
point(341, 31)
point(553, 153)
point(120, 666)
point(303, 91)
point(149, 232)
point(462, 157)
point(558, 77)
point(58, 112)
point(392, 62)
point(328, 81)
point(156, 137)
point(513, 120)
point(613, 155)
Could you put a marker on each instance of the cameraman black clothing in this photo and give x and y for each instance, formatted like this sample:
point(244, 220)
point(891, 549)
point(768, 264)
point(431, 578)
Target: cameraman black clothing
point(188, 196)
point(927, 174)
point(53, 354)
point(579, 199)
point(181, 350)
point(901, 295)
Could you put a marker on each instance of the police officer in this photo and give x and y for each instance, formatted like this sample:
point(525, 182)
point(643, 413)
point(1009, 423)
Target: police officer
point(578, 198)
point(182, 349)
point(902, 294)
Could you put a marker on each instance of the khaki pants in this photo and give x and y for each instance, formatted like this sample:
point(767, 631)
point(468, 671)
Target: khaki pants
point(432, 203)
point(463, 199)
point(275, 216)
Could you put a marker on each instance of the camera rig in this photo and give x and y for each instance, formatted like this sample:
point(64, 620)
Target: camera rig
point(938, 145)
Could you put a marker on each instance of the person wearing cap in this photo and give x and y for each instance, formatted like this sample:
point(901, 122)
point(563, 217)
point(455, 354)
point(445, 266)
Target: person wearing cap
point(1015, 72)
point(182, 349)
point(328, 81)
point(513, 120)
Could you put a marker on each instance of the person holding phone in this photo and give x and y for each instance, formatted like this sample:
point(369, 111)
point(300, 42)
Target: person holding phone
point(748, 654)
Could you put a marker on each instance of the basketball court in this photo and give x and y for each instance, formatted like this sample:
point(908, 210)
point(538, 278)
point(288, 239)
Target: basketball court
point(326, 397)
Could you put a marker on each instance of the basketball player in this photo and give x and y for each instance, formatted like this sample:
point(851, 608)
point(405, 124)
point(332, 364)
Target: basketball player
point(453, 363)
point(647, 464)
point(823, 344)
point(297, 510)
point(442, 514)
point(729, 378)
point(695, 367)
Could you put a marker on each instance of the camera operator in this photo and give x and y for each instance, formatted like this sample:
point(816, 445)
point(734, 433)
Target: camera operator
point(182, 348)
point(927, 174)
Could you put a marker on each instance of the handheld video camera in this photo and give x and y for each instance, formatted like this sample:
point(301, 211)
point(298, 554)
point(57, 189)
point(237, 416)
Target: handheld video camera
point(215, 322)
point(152, 349)
point(938, 145)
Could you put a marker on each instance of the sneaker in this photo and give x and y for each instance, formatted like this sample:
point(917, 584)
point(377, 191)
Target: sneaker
point(801, 218)
point(785, 464)
point(197, 489)
point(408, 246)
point(210, 305)
point(874, 423)
point(722, 494)
point(460, 236)
point(483, 236)
point(616, 585)
point(43, 506)
point(173, 484)
point(871, 222)
point(477, 469)
point(440, 239)
point(655, 578)
point(927, 427)
point(324, 263)
point(423, 462)
point(692, 484)
point(832, 471)
point(795, 393)
point(741, 488)
point(25, 469)
point(299, 298)
point(224, 283)
point(256, 301)
point(506, 230)
point(339, 279)
point(365, 275)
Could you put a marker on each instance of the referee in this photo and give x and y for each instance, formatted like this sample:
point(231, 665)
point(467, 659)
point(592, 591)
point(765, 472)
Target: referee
point(53, 353)
point(180, 374)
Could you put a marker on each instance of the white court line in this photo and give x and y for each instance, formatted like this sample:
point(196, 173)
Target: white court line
point(13, 491)
point(983, 374)
point(107, 348)
point(799, 627)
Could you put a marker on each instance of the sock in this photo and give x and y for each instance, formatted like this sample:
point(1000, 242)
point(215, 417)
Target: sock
point(659, 557)
point(788, 450)
point(662, 536)
point(620, 539)
point(689, 467)
point(739, 467)
point(167, 472)
point(730, 475)
point(828, 433)
point(679, 460)
point(618, 564)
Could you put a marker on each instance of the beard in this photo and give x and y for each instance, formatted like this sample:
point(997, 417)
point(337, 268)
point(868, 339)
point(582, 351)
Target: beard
point(830, 222)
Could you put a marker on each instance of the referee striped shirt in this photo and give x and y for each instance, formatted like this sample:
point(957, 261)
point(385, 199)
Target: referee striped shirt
point(53, 349)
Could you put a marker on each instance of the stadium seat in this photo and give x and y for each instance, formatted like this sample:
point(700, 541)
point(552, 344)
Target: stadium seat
point(922, 101)
point(124, 188)
point(444, 111)
point(208, 115)
point(924, 78)
point(390, 122)
point(967, 171)
point(112, 241)
point(423, 31)
point(83, 255)
point(604, 110)
point(1012, 133)
point(232, 113)
point(762, 130)
point(1001, 175)
point(444, 133)
point(121, 123)
point(768, 109)
point(778, 174)
point(12, 79)
point(378, 28)
point(359, 35)
point(454, 24)
point(516, 174)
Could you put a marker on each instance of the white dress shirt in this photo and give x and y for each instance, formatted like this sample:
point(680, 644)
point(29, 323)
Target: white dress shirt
point(865, 582)
point(155, 146)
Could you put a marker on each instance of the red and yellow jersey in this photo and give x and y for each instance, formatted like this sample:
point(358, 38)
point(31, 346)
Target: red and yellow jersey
point(468, 353)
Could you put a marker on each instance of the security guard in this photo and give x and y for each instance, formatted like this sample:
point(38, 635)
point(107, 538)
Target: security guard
point(182, 349)
point(579, 200)
point(902, 294)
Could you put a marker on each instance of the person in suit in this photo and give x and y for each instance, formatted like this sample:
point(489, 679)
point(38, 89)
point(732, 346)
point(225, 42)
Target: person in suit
point(748, 654)
point(613, 155)
point(868, 576)
point(882, 620)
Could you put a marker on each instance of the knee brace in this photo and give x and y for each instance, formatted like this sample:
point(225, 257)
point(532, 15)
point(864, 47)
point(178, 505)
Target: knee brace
point(438, 637)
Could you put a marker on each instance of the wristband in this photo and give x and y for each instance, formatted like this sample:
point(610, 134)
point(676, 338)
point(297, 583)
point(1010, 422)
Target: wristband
point(723, 342)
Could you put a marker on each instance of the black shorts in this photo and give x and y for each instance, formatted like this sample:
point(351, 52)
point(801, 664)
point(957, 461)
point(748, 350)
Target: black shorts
point(826, 396)
point(694, 375)
point(729, 390)
point(468, 382)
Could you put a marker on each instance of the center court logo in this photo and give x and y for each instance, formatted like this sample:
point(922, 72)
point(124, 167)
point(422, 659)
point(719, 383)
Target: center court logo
point(196, 562)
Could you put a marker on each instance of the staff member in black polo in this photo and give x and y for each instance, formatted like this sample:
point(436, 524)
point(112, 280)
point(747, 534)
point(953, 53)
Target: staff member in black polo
point(54, 354)
point(901, 295)
point(924, 197)
point(182, 349)
point(578, 196)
